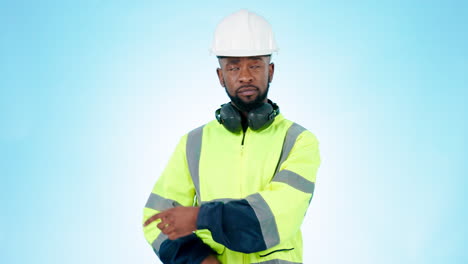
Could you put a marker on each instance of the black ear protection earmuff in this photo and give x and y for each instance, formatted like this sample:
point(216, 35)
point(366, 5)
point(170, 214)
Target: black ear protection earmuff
point(257, 119)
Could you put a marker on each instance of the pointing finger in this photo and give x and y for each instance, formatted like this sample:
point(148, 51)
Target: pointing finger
point(152, 219)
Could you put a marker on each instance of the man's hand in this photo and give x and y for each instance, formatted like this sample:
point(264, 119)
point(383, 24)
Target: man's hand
point(176, 222)
point(211, 260)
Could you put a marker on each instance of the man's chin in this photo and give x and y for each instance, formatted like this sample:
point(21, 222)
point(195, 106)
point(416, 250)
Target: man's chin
point(248, 100)
point(248, 106)
point(247, 103)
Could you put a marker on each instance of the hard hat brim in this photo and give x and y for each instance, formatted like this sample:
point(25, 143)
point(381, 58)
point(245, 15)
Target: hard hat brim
point(242, 53)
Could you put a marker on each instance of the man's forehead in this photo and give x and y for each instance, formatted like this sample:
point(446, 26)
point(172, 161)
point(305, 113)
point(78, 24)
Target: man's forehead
point(238, 59)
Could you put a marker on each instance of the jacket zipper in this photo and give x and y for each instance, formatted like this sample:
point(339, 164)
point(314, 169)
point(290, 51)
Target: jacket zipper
point(241, 180)
point(243, 137)
point(245, 257)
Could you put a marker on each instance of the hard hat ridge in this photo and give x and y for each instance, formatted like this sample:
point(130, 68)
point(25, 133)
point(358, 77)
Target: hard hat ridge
point(243, 34)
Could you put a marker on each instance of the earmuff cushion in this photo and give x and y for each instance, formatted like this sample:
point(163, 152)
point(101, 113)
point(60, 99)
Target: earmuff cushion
point(260, 117)
point(230, 118)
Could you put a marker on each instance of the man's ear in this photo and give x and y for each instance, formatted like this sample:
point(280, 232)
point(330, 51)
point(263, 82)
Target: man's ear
point(271, 71)
point(219, 72)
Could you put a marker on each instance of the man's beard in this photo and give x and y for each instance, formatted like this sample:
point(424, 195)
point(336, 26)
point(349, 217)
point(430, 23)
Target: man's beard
point(248, 106)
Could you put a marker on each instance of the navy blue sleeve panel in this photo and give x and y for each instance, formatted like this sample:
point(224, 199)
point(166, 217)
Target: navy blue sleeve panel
point(233, 224)
point(185, 250)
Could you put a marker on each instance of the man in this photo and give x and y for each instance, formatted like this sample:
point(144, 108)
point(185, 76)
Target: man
point(236, 189)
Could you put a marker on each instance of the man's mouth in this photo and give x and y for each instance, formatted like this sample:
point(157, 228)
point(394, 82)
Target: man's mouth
point(247, 90)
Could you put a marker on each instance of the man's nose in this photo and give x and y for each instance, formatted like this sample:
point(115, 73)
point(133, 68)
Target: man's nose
point(245, 75)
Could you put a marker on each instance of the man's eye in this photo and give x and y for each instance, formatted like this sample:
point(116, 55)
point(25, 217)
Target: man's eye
point(233, 69)
point(254, 66)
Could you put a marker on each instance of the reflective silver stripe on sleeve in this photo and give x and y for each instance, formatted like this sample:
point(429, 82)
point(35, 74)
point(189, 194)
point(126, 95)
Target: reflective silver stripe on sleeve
point(157, 242)
point(295, 180)
point(277, 261)
point(193, 151)
point(160, 203)
point(265, 218)
point(293, 132)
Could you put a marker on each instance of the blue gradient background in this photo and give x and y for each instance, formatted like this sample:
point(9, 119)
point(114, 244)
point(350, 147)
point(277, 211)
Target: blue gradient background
point(95, 95)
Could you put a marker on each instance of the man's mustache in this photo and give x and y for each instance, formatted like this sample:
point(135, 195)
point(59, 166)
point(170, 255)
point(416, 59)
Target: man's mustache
point(247, 86)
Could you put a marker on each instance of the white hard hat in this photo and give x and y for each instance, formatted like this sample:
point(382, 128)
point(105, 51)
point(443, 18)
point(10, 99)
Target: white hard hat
point(243, 34)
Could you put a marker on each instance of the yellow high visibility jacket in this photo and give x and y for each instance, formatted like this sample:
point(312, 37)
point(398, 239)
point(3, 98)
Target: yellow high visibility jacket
point(253, 189)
